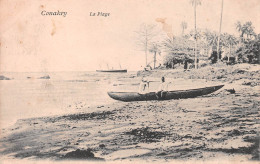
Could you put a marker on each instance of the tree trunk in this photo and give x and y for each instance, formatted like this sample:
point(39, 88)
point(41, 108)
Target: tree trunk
point(196, 57)
point(208, 50)
point(218, 52)
point(146, 44)
point(154, 58)
point(229, 52)
point(195, 26)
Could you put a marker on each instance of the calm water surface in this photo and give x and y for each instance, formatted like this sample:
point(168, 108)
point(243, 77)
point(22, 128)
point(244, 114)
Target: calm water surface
point(28, 96)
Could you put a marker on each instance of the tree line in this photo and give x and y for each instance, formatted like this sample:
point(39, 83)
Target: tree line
point(199, 43)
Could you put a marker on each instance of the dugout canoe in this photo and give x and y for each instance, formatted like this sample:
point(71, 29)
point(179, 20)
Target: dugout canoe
point(177, 94)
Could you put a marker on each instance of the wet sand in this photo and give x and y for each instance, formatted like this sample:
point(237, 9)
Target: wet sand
point(220, 126)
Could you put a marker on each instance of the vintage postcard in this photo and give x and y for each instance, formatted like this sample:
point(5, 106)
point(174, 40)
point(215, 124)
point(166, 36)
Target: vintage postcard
point(139, 81)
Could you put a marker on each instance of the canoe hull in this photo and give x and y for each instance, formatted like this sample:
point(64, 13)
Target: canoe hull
point(178, 94)
point(113, 71)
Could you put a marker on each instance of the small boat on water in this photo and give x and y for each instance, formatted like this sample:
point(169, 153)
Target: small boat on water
point(109, 70)
point(168, 95)
point(113, 70)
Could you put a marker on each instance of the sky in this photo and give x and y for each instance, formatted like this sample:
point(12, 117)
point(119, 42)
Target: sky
point(31, 42)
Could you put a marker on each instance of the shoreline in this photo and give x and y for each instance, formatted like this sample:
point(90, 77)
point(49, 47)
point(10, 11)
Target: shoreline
point(219, 125)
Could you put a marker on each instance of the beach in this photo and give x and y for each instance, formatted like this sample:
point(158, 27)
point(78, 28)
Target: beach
point(223, 125)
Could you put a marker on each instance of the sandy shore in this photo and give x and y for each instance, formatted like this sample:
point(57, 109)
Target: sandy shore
point(219, 126)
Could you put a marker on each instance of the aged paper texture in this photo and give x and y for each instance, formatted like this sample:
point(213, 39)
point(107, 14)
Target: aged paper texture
point(135, 81)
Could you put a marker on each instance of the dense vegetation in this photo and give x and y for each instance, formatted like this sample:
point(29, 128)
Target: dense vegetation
point(201, 44)
point(242, 49)
point(180, 49)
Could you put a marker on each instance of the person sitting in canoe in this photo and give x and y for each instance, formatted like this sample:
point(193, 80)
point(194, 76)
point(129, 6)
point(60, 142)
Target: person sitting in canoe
point(144, 86)
point(162, 90)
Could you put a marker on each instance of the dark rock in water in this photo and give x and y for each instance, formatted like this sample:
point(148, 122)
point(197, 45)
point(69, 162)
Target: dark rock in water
point(4, 78)
point(81, 154)
point(45, 77)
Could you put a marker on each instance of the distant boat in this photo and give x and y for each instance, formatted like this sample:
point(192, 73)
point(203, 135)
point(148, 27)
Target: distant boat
point(112, 70)
point(177, 94)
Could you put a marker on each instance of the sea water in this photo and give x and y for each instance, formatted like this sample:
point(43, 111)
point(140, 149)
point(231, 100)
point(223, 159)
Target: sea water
point(26, 95)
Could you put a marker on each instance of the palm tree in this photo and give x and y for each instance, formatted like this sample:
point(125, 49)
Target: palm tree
point(155, 48)
point(195, 3)
point(218, 52)
point(244, 43)
point(214, 40)
point(208, 38)
point(178, 49)
point(178, 45)
point(230, 40)
point(249, 30)
point(183, 26)
point(246, 28)
point(211, 38)
point(239, 28)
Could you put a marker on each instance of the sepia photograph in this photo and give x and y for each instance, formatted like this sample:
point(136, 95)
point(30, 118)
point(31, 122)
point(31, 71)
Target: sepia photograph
point(129, 81)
